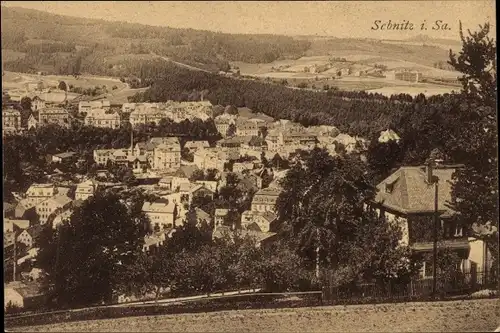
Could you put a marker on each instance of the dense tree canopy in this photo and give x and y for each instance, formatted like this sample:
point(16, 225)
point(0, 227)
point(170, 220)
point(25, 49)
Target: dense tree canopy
point(88, 256)
point(321, 210)
point(475, 190)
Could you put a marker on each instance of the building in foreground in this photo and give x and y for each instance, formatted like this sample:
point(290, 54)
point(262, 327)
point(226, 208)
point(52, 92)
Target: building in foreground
point(407, 197)
point(28, 296)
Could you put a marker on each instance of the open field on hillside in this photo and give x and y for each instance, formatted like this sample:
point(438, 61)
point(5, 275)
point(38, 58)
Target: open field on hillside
point(11, 55)
point(13, 80)
point(454, 316)
point(120, 97)
point(293, 71)
point(120, 58)
point(296, 67)
point(420, 52)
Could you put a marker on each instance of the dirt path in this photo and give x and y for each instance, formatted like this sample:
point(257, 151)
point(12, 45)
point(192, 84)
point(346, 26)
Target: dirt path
point(180, 63)
point(455, 316)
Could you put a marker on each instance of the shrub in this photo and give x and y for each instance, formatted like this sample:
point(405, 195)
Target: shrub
point(12, 308)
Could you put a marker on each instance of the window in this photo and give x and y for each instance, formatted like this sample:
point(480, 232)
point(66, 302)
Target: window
point(458, 231)
point(428, 271)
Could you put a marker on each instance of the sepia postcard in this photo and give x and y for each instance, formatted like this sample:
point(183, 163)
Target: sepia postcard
point(257, 166)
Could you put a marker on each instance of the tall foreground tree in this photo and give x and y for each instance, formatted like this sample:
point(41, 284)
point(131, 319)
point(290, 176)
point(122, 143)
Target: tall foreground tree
point(475, 190)
point(383, 158)
point(89, 257)
point(26, 103)
point(477, 62)
point(321, 210)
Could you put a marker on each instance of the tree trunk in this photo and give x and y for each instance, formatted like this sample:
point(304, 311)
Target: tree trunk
point(158, 288)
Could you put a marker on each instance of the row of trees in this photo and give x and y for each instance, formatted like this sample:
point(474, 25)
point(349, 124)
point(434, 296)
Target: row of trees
point(205, 44)
point(321, 213)
point(25, 154)
point(91, 260)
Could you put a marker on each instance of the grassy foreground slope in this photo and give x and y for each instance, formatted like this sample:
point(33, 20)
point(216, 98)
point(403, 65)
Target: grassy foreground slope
point(455, 316)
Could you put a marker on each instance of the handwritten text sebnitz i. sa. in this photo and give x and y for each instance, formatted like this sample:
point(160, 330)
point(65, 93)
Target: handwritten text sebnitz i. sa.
point(407, 25)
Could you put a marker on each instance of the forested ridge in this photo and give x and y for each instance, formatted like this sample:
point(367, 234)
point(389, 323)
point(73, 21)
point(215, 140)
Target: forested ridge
point(206, 49)
point(68, 38)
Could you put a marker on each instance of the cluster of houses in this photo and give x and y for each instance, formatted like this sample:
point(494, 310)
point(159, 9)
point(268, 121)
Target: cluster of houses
point(42, 92)
point(158, 154)
point(41, 205)
point(101, 113)
point(47, 106)
point(11, 118)
point(406, 197)
point(177, 190)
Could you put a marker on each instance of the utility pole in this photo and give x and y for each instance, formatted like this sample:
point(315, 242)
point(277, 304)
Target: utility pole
point(317, 253)
point(56, 264)
point(14, 257)
point(434, 259)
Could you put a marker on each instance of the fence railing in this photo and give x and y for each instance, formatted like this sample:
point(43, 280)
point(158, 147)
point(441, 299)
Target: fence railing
point(416, 289)
point(257, 300)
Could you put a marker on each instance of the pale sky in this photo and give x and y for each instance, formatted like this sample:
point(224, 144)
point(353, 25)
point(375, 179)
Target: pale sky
point(335, 18)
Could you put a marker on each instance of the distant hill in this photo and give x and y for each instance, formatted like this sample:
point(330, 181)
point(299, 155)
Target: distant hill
point(66, 39)
point(428, 39)
point(34, 40)
point(402, 50)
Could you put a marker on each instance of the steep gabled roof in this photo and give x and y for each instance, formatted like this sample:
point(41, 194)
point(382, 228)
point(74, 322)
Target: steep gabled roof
point(197, 144)
point(60, 200)
point(28, 290)
point(160, 207)
point(185, 171)
point(269, 216)
point(411, 193)
point(170, 140)
point(65, 154)
point(202, 215)
point(35, 230)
